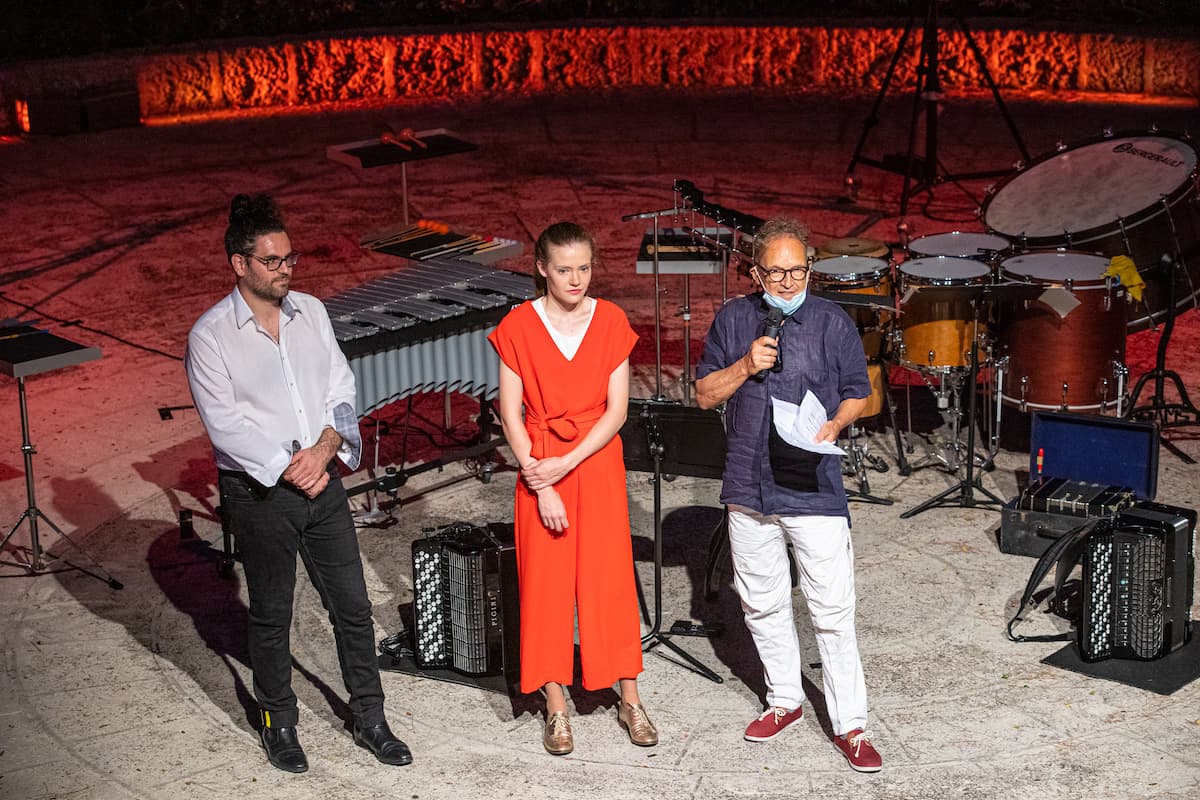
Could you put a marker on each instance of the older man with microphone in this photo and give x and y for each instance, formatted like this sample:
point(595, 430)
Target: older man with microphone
point(782, 343)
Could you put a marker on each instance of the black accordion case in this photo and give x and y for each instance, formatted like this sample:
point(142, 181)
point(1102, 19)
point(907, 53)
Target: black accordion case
point(1081, 467)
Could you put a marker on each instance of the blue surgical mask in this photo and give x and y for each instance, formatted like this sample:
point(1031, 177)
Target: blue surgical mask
point(788, 307)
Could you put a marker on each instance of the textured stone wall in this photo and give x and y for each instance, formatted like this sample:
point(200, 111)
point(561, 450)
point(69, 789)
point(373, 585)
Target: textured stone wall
point(358, 68)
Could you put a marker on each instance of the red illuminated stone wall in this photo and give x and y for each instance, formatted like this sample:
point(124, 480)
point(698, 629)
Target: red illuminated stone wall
point(371, 69)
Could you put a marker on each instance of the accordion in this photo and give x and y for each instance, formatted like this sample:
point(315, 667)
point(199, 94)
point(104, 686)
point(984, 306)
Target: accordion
point(1138, 574)
point(466, 614)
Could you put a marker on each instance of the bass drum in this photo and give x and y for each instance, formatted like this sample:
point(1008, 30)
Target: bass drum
point(1071, 363)
point(1131, 194)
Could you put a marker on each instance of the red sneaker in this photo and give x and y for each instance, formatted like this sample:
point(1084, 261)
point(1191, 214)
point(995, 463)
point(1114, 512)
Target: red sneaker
point(771, 723)
point(857, 748)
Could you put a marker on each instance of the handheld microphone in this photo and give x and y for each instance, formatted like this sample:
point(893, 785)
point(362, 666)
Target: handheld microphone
point(772, 327)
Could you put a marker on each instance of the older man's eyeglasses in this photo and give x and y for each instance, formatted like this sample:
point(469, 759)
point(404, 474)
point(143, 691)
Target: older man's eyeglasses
point(273, 263)
point(776, 275)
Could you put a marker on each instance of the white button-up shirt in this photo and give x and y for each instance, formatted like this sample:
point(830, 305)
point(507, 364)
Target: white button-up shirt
point(257, 398)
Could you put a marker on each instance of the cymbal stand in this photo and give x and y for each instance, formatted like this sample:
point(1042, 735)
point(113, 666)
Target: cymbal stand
point(965, 488)
point(927, 171)
point(1166, 415)
point(655, 637)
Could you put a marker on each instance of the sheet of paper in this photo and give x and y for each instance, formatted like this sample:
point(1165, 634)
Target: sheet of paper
point(798, 424)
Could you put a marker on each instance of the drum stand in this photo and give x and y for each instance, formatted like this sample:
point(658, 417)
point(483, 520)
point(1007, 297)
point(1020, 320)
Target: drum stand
point(927, 170)
point(1164, 414)
point(859, 458)
point(961, 495)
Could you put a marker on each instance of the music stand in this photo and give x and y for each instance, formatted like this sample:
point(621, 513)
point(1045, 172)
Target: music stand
point(399, 148)
point(962, 494)
point(677, 440)
point(24, 351)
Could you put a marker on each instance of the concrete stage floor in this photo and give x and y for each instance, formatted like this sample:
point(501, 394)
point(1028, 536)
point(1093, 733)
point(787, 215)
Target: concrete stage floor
point(143, 692)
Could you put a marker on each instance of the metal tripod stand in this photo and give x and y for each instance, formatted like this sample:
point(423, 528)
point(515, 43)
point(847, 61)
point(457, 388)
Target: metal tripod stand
point(922, 174)
point(1158, 410)
point(38, 560)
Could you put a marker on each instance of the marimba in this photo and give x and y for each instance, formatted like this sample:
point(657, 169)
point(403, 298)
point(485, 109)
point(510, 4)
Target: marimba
point(424, 328)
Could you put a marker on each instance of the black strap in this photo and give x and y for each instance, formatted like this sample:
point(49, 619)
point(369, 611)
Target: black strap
point(1064, 552)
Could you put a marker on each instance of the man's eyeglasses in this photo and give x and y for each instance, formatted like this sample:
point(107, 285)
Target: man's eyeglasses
point(273, 263)
point(776, 275)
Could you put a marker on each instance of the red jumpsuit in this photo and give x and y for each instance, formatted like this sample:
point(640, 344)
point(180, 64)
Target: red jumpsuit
point(589, 567)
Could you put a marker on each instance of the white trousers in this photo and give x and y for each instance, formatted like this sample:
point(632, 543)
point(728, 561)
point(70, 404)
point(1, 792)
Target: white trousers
point(825, 561)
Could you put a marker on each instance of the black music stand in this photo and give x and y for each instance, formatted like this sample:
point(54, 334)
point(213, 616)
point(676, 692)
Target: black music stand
point(24, 351)
point(1158, 410)
point(962, 494)
point(675, 440)
point(399, 148)
point(927, 94)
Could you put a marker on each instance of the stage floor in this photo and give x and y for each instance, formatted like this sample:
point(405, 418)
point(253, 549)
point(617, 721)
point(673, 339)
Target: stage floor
point(114, 240)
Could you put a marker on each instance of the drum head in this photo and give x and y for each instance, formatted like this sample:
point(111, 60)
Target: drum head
point(849, 269)
point(944, 271)
point(872, 248)
point(1081, 192)
point(977, 246)
point(1057, 267)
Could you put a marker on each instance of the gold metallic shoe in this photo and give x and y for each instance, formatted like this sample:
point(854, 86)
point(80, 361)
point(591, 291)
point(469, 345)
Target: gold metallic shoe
point(556, 737)
point(633, 718)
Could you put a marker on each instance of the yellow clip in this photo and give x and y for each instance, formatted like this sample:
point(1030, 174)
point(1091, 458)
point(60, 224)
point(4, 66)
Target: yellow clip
point(1125, 271)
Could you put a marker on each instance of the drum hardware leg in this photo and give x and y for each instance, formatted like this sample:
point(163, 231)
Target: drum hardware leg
point(858, 459)
point(1063, 406)
point(1166, 415)
point(961, 495)
point(901, 460)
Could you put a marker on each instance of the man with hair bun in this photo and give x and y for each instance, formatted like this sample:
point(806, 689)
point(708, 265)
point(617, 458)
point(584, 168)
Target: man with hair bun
point(277, 399)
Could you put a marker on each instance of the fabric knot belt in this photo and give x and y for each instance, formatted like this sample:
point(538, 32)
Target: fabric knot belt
point(564, 426)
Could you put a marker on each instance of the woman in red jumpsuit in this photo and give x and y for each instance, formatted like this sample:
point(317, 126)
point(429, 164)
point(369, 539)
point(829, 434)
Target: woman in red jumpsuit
point(564, 390)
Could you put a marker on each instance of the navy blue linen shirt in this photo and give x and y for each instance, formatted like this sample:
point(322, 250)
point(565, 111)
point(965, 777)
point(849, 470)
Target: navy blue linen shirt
point(821, 351)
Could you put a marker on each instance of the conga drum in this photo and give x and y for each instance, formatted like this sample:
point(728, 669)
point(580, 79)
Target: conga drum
point(1071, 363)
point(937, 327)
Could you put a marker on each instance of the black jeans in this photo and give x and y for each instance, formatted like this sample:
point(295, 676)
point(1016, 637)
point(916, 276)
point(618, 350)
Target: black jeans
point(272, 524)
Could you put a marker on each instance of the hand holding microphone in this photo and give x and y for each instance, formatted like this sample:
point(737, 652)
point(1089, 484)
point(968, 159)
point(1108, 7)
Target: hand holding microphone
point(764, 353)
